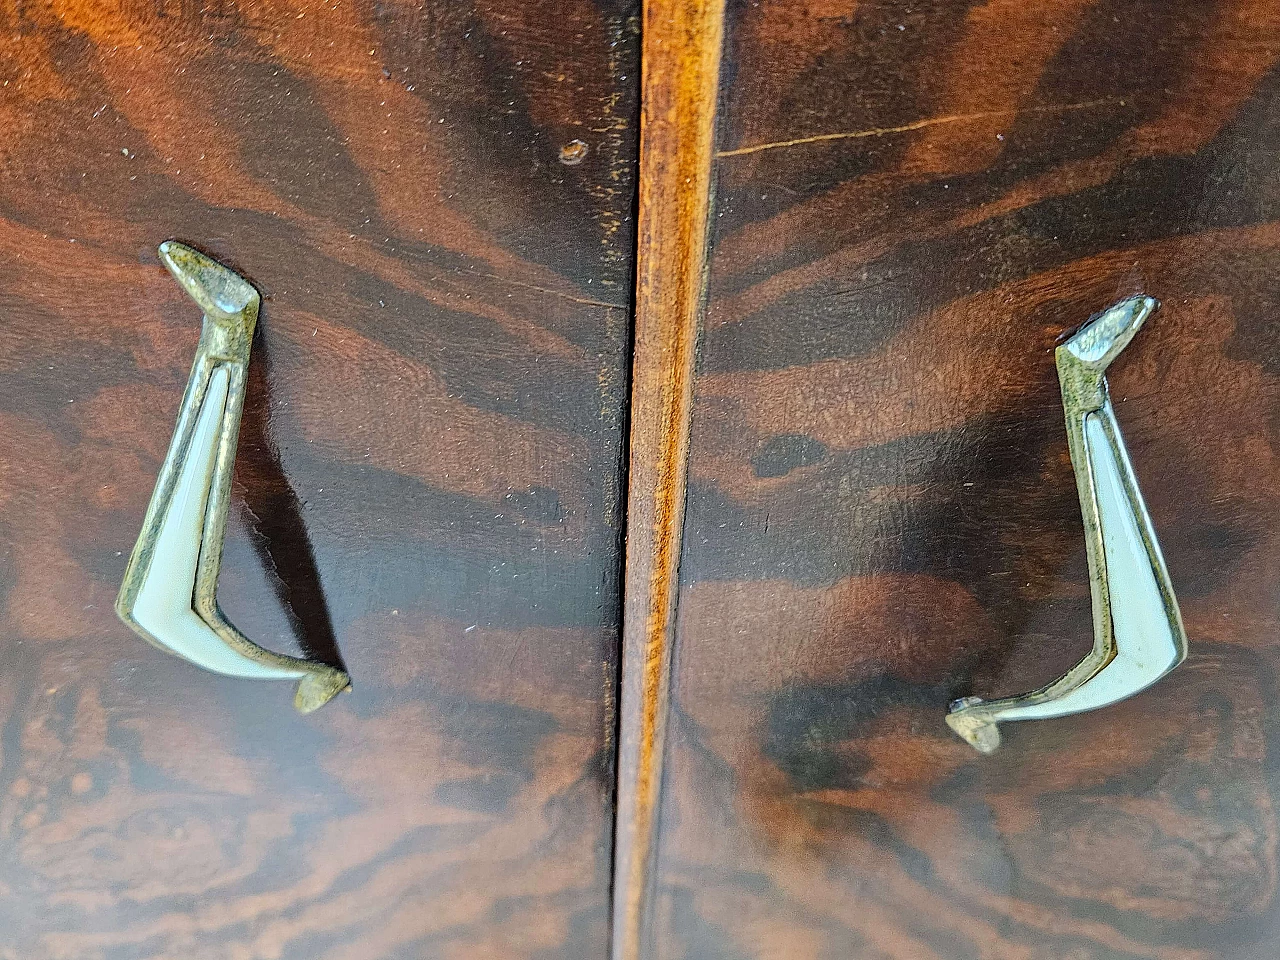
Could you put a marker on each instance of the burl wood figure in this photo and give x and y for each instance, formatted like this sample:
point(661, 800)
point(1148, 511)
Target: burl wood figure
point(427, 487)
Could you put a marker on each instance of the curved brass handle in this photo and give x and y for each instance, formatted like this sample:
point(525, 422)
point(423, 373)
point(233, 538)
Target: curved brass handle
point(1137, 629)
point(169, 594)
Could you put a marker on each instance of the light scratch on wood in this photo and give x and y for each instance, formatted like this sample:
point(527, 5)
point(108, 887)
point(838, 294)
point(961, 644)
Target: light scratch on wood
point(918, 125)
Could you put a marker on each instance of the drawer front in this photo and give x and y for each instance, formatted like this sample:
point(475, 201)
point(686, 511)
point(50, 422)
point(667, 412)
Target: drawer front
point(435, 203)
point(914, 204)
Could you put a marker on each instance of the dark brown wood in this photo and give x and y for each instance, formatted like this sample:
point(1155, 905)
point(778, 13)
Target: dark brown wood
point(429, 479)
point(681, 60)
point(914, 202)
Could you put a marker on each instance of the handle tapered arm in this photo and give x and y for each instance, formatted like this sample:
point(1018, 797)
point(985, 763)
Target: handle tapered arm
point(1138, 632)
point(169, 593)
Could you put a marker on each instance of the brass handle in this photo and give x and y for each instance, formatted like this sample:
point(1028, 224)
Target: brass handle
point(169, 593)
point(1137, 630)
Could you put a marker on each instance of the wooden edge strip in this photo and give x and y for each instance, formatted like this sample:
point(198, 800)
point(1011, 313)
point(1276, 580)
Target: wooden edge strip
point(680, 61)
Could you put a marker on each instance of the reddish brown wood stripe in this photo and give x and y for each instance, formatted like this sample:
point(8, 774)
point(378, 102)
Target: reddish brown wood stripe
point(680, 60)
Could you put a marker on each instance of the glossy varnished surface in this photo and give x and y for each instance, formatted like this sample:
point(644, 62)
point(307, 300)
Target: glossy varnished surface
point(914, 203)
point(428, 482)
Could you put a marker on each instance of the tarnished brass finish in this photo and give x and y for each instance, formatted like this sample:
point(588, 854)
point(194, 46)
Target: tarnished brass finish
point(1138, 632)
point(169, 593)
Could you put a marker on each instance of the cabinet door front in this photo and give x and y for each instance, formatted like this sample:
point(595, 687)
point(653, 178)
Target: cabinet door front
point(434, 202)
point(915, 204)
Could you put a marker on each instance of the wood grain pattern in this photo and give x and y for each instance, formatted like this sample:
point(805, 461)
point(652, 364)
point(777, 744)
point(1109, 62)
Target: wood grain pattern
point(429, 478)
point(914, 202)
point(681, 59)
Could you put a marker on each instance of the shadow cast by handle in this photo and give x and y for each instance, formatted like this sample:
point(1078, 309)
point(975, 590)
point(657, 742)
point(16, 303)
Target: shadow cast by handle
point(276, 516)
